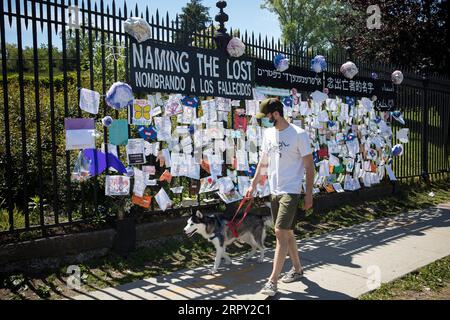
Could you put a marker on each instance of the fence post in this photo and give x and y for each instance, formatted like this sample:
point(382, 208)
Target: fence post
point(221, 37)
point(425, 128)
point(125, 239)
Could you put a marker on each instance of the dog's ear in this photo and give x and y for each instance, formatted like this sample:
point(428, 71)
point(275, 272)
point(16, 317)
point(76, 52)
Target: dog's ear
point(199, 214)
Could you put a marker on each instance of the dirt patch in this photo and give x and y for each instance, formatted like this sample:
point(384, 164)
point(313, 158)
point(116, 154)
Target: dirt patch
point(426, 294)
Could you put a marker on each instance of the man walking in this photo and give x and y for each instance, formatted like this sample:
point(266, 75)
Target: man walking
point(285, 155)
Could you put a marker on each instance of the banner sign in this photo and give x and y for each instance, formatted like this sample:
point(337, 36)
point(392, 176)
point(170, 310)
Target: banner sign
point(359, 87)
point(157, 67)
point(304, 80)
point(266, 75)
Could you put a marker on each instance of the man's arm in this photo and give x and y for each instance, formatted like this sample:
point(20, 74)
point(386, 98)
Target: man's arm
point(309, 167)
point(261, 170)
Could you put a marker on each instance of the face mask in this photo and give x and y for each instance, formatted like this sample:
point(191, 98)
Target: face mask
point(273, 121)
point(266, 123)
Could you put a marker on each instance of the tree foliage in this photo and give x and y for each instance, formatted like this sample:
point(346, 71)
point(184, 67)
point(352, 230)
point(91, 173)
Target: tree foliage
point(308, 23)
point(193, 19)
point(413, 33)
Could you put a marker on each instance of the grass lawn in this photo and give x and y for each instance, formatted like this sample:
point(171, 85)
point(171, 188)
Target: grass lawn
point(180, 253)
point(428, 283)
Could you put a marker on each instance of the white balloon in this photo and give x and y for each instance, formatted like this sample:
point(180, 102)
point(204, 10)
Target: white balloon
point(317, 68)
point(283, 66)
point(138, 28)
point(349, 70)
point(236, 48)
point(397, 77)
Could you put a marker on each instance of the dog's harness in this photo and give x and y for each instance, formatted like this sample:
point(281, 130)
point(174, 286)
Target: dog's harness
point(219, 230)
point(234, 226)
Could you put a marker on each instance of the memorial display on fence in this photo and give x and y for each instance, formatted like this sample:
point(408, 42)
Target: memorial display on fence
point(192, 130)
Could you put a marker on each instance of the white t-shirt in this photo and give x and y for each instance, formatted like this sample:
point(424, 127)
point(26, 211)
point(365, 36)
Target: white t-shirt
point(285, 151)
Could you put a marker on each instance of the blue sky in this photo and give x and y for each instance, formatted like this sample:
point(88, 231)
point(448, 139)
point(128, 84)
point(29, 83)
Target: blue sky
point(244, 15)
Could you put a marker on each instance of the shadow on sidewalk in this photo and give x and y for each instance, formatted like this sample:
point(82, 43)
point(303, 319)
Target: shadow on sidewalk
point(244, 279)
point(312, 292)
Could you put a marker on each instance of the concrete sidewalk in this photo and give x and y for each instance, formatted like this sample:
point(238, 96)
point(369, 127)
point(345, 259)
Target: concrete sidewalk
point(340, 265)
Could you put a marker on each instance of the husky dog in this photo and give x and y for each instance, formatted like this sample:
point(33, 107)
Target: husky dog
point(215, 230)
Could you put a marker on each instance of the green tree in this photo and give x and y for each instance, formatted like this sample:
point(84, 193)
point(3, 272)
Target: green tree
point(308, 23)
point(27, 62)
point(411, 33)
point(11, 56)
point(193, 20)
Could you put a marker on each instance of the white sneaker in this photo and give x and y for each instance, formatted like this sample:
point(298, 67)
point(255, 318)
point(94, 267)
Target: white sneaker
point(292, 276)
point(270, 289)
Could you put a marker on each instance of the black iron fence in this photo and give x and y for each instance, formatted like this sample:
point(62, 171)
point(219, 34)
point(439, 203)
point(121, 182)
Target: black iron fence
point(40, 87)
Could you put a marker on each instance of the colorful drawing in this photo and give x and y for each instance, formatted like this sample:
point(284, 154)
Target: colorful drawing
point(140, 113)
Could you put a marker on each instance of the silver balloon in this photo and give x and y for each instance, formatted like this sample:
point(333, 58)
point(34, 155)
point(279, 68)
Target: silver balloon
point(236, 48)
point(397, 77)
point(138, 28)
point(349, 70)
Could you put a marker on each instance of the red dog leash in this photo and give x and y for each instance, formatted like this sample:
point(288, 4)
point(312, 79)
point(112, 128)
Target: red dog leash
point(234, 226)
